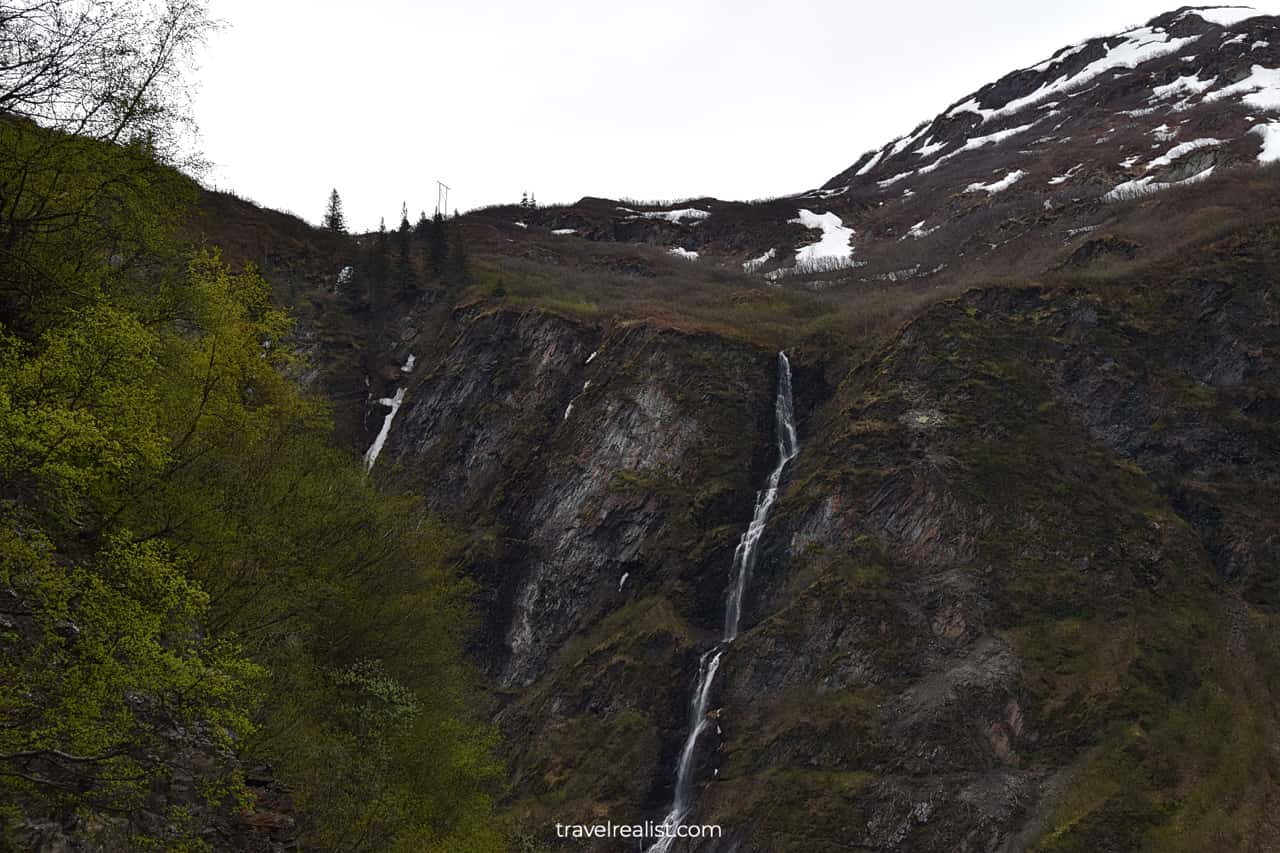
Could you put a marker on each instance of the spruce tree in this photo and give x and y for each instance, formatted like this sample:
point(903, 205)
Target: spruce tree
point(378, 269)
point(438, 246)
point(333, 218)
point(404, 276)
point(457, 272)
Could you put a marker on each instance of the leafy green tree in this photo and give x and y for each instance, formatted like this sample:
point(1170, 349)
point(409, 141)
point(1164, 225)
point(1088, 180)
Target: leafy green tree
point(115, 651)
point(76, 212)
point(108, 71)
point(187, 564)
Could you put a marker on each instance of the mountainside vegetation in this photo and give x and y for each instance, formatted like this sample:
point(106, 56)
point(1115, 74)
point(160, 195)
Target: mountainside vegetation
point(416, 539)
point(197, 586)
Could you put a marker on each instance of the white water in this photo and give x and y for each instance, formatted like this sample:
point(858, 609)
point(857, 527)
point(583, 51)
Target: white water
point(371, 455)
point(744, 560)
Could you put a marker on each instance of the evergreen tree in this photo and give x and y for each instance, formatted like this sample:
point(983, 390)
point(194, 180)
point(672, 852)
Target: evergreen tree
point(403, 275)
point(333, 218)
point(457, 273)
point(422, 228)
point(378, 268)
point(438, 246)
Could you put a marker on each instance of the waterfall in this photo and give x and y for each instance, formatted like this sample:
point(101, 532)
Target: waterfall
point(744, 560)
point(371, 455)
point(744, 556)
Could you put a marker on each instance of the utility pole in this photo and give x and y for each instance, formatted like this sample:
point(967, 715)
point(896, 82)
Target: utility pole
point(442, 199)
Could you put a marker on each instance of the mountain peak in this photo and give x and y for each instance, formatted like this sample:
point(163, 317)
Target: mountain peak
point(1175, 63)
point(1034, 161)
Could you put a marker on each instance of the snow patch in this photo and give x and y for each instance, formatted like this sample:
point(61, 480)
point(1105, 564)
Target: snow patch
point(1182, 150)
point(521, 225)
point(915, 232)
point(1261, 89)
point(622, 581)
point(1191, 84)
point(1066, 176)
point(1148, 185)
point(677, 216)
point(756, 263)
point(907, 141)
point(976, 143)
point(683, 253)
point(1065, 53)
point(407, 367)
point(885, 184)
point(1000, 185)
point(930, 148)
point(1270, 133)
point(1223, 16)
point(870, 164)
point(1133, 48)
point(563, 231)
point(835, 237)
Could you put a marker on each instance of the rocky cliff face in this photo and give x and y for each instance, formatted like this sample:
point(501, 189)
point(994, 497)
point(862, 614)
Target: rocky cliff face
point(608, 465)
point(988, 566)
point(1015, 595)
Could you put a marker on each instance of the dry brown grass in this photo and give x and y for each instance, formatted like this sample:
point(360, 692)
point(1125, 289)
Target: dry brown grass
point(1003, 243)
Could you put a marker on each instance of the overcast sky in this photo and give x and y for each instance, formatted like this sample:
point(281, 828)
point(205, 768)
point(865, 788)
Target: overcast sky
point(647, 99)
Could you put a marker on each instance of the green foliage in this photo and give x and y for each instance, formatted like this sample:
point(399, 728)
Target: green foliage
point(80, 221)
point(190, 567)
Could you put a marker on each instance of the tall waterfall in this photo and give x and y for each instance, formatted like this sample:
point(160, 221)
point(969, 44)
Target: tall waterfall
point(744, 560)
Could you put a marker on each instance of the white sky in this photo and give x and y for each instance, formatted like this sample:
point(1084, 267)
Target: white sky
point(646, 99)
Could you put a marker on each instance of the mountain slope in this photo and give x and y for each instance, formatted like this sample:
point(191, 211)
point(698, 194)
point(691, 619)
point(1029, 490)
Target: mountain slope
point(1013, 177)
point(1021, 557)
point(1020, 586)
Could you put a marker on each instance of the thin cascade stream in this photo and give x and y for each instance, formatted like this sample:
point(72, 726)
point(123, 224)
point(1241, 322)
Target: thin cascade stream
point(744, 560)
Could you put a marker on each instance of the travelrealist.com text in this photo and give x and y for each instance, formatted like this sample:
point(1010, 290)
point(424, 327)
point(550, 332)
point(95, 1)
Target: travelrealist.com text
point(648, 829)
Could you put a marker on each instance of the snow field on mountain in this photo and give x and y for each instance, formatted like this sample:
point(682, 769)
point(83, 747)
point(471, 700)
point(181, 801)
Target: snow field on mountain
point(1223, 16)
point(1136, 47)
point(835, 237)
point(1270, 133)
point(1261, 89)
point(998, 186)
